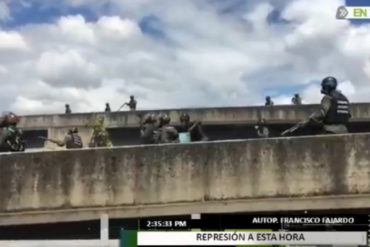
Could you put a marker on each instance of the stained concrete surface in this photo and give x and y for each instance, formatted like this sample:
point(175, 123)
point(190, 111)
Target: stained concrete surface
point(141, 176)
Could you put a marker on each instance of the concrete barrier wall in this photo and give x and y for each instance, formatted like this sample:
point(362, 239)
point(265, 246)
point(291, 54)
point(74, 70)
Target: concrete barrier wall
point(57, 126)
point(162, 175)
point(225, 115)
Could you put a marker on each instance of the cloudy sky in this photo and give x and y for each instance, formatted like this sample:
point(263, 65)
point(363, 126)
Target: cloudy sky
point(172, 54)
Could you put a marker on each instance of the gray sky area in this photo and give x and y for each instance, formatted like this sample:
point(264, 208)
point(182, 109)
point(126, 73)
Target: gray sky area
point(171, 54)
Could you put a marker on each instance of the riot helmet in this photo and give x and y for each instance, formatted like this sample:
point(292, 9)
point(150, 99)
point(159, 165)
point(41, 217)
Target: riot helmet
point(150, 118)
point(328, 84)
point(184, 118)
point(164, 119)
point(10, 118)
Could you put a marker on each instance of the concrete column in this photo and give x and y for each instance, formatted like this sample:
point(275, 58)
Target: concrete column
point(104, 230)
point(195, 216)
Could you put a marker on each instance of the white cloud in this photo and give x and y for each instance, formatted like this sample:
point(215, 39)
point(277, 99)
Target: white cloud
point(206, 58)
point(311, 94)
point(282, 100)
point(347, 87)
point(76, 28)
point(12, 41)
point(258, 17)
point(68, 69)
point(115, 28)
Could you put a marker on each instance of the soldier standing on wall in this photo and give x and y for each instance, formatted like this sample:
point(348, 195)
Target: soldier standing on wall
point(269, 102)
point(72, 140)
point(68, 109)
point(132, 104)
point(107, 107)
point(194, 128)
point(296, 100)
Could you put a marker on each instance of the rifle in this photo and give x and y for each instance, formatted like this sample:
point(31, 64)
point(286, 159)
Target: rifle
point(47, 139)
point(295, 128)
point(122, 106)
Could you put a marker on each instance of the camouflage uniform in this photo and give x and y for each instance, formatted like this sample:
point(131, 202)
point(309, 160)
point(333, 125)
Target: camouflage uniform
point(166, 133)
point(194, 128)
point(334, 113)
point(149, 129)
point(100, 136)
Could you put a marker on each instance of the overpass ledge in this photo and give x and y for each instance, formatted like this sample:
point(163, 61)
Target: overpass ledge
point(229, 206)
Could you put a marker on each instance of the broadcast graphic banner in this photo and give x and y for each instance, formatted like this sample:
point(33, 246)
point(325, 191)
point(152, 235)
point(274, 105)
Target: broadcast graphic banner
point(239, 229)
point(250, 238)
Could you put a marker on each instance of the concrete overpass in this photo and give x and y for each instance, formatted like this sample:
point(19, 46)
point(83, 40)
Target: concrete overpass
point(222, 115)
point(300, 173)
point(220, 123)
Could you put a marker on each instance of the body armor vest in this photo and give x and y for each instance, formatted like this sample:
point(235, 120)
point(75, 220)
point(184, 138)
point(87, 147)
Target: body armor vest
point(76, 141)
point(339, 109)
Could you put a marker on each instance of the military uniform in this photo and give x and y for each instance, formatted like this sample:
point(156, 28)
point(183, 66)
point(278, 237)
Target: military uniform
point(296, 100)
point(262, 131)
point(132, 104)
point(334, 113)
point(73, 140)
point(100, 136)
point(269, 102)
point(148, 129)
point(10, 135)
point(166, 133)
point(107, 108)
point(194, 128)
point(68, 109)
point(100, 139)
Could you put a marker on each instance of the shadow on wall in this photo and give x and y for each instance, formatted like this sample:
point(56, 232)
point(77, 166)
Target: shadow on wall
point(124, 136)
point(32, 140)
point(131, 136)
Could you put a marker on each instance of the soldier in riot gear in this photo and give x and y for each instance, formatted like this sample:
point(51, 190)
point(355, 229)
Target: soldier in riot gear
point(72, 140)
point(334, 112)
point(107, 107)
point(68, 109)
point(194, 128)
point(10, 135)
point(262, 129)
point(296, 100)
point(167, 133)
point(131, 104)
point(148, 129)
point(100, 136)
point(269, 101)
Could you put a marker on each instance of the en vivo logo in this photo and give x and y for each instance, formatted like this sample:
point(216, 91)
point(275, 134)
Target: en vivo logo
point(359, 12)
